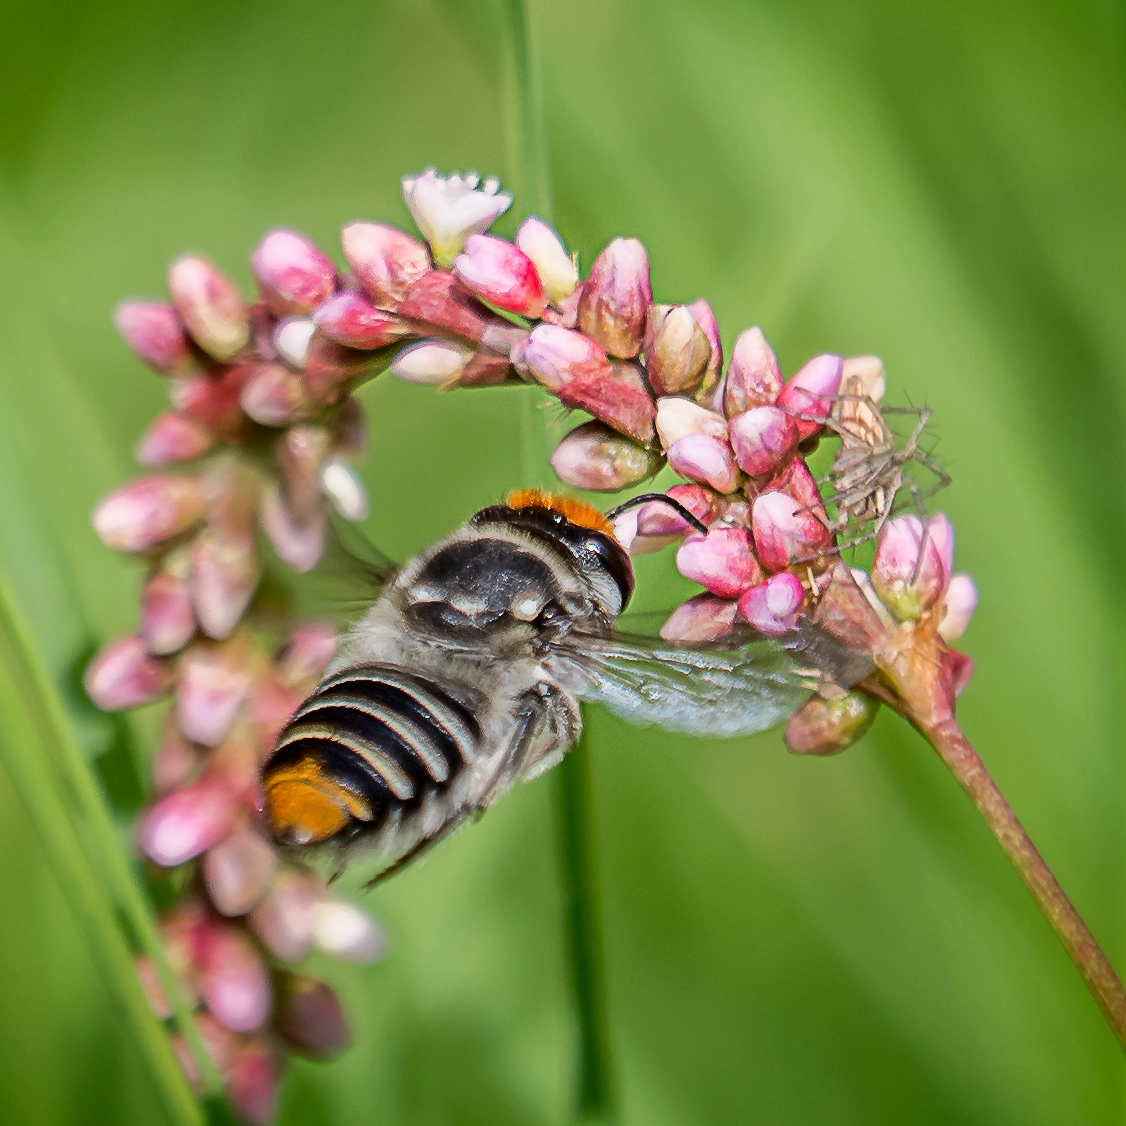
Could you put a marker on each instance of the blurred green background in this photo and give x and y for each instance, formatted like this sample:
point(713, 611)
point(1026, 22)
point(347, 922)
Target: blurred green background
point(787, 941)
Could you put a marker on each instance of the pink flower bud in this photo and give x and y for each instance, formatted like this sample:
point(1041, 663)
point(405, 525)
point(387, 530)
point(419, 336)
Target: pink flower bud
point(722, 561)
point(864, 375)
point(439, 300)
point(344, 488)
point(824, 727)
point(501, 274)
point(299, 544)
point(225, 573)
point(385, 260)
point(210, 306)
point(700, 457)
point(214, 681)
point(431, 361)
point(556, 356)
point(754, 378)
point(941, 533)
point(619, 398)
point(597, 458)
point(301, 452)
point(284, 919)
point(292, 339)
point(961, 669)
point(555, 267)
point(187, 822)
point(344, 931)
point(173, 438)
point(677, 417)
point(233, 979)
point(330, 369)
point(761, 438)
point(657, 519)
point(810, 390)
point(784, 531)
point(176, 761)
point(238, 871)
point(274, 396)
point(253, 1084)
point(676, 350)
point(124, 675)
point(349, 318)
point(212, 400)
point(772, 607)
point(910, 570)
point(448, 209)
point(616, 298)
point(310, 1018)
point(700, 619)
point(167, 620)
point(156, 334)
point(306, 656)
point(710, 393)
point(145, 513)
point(958, 607)
point(295, 276)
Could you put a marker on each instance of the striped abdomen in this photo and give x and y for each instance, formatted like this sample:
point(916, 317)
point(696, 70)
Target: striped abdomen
point(370, 741)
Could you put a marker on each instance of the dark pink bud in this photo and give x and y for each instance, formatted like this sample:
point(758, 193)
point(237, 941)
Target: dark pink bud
point(330, 369)
point(233, 979)
point(616, 298)
point(310, 1018)
point(784, 531)
point(700, 619)
point(299, 543)
point(293, 273)
point(284, 919)
point(125, 675)
point(212, 400)
point(710, 393)
point(156, 334)
point(722, 561)
point(501, 274)
point(440, 301)
point(810, 391)
point(961, 669)
point(656, 519)
point(754, 378)
point(210, 306)
point(677, 417)
point(145, 513)
point(252, 1084)
point(167, 619)
point(173, 438)
point(350, 318)
point(187, 822)
point(824, 727)
point(700, 457)
point(772, 607)
point(556, 356)
point(958, 607)
point(910, 570)
point(761, 438)
point(214, 681)
point(676, 350)
point(274, 396)
point(619, 398)
point(600, 459)
point(238, 871)
point(385, 260)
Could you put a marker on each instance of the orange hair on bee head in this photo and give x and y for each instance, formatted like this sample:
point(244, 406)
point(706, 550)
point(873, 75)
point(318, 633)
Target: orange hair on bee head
point(576, 510)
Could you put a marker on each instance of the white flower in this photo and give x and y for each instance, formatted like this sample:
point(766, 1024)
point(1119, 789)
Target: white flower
point(448, 209)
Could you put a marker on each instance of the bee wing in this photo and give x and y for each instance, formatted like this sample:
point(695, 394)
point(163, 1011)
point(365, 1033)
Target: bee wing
point(719, 690)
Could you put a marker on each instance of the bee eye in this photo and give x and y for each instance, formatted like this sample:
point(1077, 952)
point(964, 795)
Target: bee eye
point(552, 612)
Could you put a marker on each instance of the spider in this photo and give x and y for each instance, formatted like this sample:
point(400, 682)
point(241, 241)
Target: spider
point(868, 470)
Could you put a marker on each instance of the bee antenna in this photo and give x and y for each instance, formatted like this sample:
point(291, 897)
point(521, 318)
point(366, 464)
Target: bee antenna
point(660, 498)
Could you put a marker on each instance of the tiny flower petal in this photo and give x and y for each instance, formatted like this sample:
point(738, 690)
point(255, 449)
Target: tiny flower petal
point(448, 209)
point(555, 267)
point(167, 618)
point(274, 396)
point(125, 675)
point(597, 458)
point(213, 683)
point(772, 607)
point(187, 822)
point(225, 573)
point(293, 338)
point(431, 361)
point(700, 457)
point(501, 274)
point(350, 318)
point(344, 931)
point(824, 727)
point(345, 489)
point(677, 417)
point(700, 619)
point(210, 306)
point(556, 356)
point(238, 871)
point(761, 438)
point(909, 571)
point(961, 669)
point(299, 543)
point(310, 1018)
point(385, 260)
point(959, 605)
point(294, 274)
point(753, 378)
point(147, 512)
point(676, 350)
point(784, 532)
point(173, 438)
point(233, 979)
point(810, 391)
point(616, 298)
point(722, 561)
point(156, 334)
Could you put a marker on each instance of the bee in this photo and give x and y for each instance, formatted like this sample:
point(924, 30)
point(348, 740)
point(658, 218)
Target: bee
point(467, 673)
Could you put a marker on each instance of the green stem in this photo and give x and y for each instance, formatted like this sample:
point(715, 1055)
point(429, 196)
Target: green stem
point(57, 738)
point(1093, 965)
point(528, 159)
